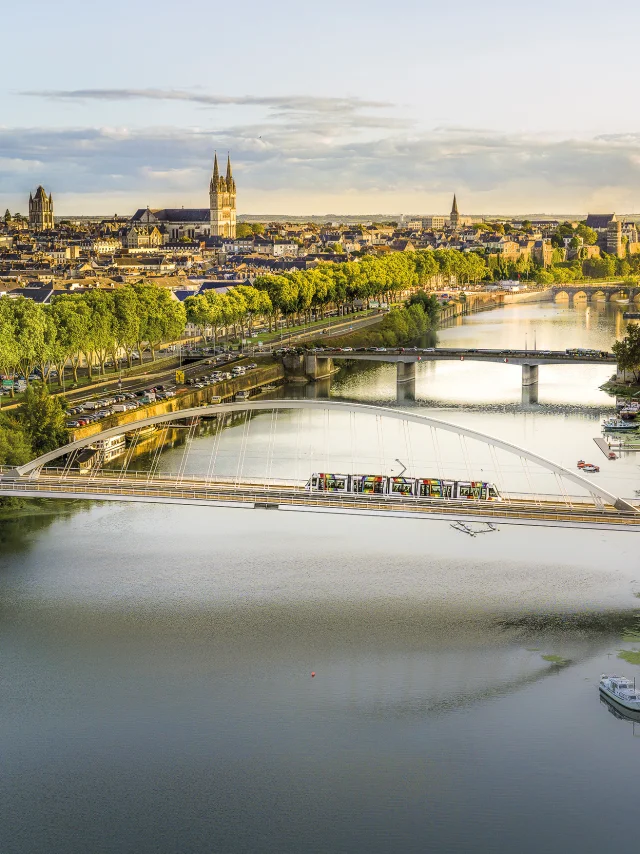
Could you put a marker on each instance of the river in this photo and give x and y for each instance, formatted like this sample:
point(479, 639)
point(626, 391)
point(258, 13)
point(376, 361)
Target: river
point(156, 688)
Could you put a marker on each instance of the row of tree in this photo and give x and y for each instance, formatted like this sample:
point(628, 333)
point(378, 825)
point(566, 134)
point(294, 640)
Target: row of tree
point(296, 296)
point(94, 326)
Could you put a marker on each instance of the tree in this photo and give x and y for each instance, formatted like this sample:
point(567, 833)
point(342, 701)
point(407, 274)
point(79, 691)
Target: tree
point(71, 318)
point(43, 419)
point(588, 235)
point(15, 448)
point(627, 351)
point(101, 338)
point(7, 216)
point(31, 334)
point(243, 230)
point(162, 318)
point(126, 322)
point(429, 304)
point(9, 347)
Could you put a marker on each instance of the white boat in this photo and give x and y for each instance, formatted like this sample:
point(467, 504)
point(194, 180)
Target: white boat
point(621, 690)
point(617, 425)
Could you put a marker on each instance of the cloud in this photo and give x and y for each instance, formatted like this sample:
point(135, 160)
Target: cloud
point(278, 104)
point(490, 171)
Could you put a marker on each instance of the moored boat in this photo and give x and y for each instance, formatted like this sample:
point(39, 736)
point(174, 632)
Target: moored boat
point(621, 690)
point(617, 425)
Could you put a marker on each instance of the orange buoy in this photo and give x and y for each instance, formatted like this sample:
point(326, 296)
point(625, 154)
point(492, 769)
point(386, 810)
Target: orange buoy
point(313, 673)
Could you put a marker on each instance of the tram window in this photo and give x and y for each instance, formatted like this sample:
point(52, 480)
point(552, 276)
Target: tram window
point(402, 487)
point(466, 490)
point(372, 485)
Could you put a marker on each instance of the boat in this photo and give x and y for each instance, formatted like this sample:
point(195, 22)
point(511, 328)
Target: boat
point(241, 395)
point(631, 315)
point(589, 467)
point(618, 712)
point(581, 464)
point(621, 690)
point(268, 387)
point(628, 414)
point(612, 455)
point(617, 425)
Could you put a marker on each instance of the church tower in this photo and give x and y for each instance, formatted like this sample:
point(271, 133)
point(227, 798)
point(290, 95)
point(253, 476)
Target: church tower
point(454, 217)
point(222, 202)
point(41, 210)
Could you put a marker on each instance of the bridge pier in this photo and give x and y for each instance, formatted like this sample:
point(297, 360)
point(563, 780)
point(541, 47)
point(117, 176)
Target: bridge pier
point(317, 367)
point(530, 383)
point(405, 381)
point(405, 372)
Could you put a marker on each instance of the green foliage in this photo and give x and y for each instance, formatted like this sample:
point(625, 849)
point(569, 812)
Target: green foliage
point(599, 268)
point(15, 448)
point(7, 215)
point(627, 351)
point(429, 304)
point(42, 418)
point(243, 229)
point(248, 229)
point(400, 326)
point(588, 235)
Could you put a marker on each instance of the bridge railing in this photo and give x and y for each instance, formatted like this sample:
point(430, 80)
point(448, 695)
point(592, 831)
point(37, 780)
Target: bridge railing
point(497, 510)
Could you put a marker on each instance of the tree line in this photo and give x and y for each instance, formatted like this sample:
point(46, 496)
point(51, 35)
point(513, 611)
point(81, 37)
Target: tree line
point(294, 297)
point(94, 326)
point(98, 325)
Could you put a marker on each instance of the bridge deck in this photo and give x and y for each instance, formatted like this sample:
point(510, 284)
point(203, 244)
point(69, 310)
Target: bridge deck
point(513, 357)
point(515, 511)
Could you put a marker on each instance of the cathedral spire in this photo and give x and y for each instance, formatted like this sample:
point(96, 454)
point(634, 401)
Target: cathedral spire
point(216, 173)
point(454, 217)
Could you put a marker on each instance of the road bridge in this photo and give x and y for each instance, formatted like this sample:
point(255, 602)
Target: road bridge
point(318, 363)
point(54, 475)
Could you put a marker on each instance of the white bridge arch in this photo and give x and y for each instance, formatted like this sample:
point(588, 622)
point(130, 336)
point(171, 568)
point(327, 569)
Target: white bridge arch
point(598, 494)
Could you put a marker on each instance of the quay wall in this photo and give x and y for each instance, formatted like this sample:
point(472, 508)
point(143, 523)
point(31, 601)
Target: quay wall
point(186, 398)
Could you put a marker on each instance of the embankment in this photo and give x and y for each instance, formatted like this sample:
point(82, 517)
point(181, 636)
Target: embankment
point(187, 397)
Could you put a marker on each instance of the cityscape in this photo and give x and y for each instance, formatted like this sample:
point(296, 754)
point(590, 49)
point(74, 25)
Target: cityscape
point(319, 430)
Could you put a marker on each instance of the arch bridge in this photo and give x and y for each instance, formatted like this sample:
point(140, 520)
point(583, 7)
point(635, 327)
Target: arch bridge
point(55, 475)
point(606, 292)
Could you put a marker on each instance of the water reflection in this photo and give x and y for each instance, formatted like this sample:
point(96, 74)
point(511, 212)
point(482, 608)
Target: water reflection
point(155, 661)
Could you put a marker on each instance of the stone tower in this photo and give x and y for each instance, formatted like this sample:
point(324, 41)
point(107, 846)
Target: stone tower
point(222, 198)
point(40, 210)
point(454, 217)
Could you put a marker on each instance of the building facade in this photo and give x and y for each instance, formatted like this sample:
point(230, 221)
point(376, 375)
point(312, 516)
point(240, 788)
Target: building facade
point(218, 220)
point(222, 202)
point(41, 210)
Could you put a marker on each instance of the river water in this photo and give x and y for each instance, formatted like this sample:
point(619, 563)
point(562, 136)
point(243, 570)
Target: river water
point(155, 662)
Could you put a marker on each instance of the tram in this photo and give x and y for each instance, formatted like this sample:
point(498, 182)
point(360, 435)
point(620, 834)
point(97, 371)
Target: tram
point(402, 487)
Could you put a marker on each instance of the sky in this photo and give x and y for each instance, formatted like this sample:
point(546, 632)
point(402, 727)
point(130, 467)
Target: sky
point(337, 107)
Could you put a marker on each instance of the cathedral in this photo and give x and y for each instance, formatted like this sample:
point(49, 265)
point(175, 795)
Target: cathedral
point(41, 210)
point(218, 220)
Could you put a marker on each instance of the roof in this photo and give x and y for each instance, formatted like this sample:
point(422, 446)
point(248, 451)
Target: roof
point(40, 295)
point(600, 220)
point(182, 293)
point(174, 215)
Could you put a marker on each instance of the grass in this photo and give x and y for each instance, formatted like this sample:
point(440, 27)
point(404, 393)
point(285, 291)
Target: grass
point(556, 659)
